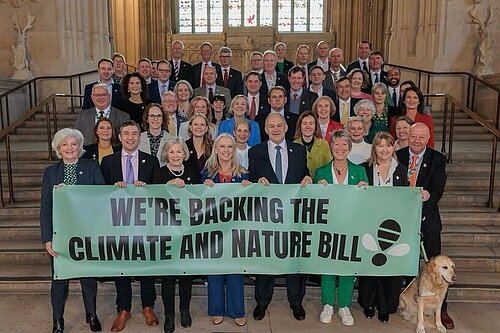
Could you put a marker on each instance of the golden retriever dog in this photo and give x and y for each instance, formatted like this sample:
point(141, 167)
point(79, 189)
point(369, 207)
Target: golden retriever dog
point(425, 294)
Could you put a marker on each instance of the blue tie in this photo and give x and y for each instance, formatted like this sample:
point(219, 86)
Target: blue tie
point(277, 167)
point(129, 170)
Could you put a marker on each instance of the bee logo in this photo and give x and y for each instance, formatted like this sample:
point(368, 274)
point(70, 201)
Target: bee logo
point(388, 234)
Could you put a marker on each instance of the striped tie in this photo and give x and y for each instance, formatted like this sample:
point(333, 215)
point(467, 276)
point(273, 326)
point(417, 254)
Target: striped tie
point(176, 70)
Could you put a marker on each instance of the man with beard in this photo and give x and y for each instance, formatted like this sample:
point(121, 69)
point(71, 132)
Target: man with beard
point(393, 78)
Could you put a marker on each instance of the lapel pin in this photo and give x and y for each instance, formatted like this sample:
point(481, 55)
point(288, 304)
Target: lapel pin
point(143, 161)
point(291, 150)
point(81, 172)
point(397, 177)
point(425, 165)
point(188, 178)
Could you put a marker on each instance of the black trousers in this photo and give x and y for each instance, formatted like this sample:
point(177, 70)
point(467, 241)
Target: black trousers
point(168, 293)
point(295, 288)
point(381, 292)
point(59, 295)
point(124, 292)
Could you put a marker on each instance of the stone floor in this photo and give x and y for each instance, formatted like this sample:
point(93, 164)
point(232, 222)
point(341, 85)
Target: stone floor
point(32, 313)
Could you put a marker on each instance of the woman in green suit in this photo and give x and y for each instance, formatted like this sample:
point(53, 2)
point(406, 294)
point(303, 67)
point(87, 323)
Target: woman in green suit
point(343, 172)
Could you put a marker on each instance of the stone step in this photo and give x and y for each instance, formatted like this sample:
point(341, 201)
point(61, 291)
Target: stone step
point(16, 252)
point(23, 180)
point(453, 218)
point(477, 182)
point(464, 197)
point(60, 116)
point(462, 129)
point(25, 194)
point(20, 229)
point(20, 168)
point(26, 156)
point(42, 124)
point(40, 137)
point(471, 235)
point(474, 259)
point(467, 137)
point(35, 279)
point(462, 168)
point(20, 211)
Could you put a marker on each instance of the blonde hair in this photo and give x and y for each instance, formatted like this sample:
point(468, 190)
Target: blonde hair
point(376, 141)
point(170, 143)
point(212, 165)
point(233, 101)
point(207, 137)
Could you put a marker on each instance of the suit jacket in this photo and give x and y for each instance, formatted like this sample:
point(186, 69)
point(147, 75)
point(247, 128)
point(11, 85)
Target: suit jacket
point(329, 82)
point(400, 176)
point(234, 81)
point(382, 78)
point(355, 64)
point(287, 65)
point(85, 122)
point(356, 173)
point(307, 99)
point(87, 173)
point(259, 163)
point(336, 116)
point(197, 70)
point(431, 177)
point(92, 151)
point(154, 91)
point(116, 96)
point(281, 80)
point(202, 91)
point(111, 167)
point(185, 72)
point(290, 118)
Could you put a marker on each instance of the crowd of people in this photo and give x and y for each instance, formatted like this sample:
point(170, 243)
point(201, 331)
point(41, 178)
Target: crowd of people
point(282, 122)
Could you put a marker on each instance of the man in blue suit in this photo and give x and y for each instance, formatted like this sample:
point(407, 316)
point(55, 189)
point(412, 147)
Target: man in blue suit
point(158, 87)
point(278, 161)
point(105, 71)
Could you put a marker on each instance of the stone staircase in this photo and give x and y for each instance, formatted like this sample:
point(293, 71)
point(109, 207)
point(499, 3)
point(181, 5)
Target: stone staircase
point(471, 232)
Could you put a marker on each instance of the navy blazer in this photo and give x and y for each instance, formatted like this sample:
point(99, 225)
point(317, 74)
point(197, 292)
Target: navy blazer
point(281, 80)
point(336, 115)
point(154, 92)
point(307, 99)
point(290, 119)
point(92, 151)
point(185, 72)
point(116, 96)
point(234, 81)
point(400, 176)
point(432, 178)
point(87, 173)
point(382, 78)
point(112, 167)
point(259, 163)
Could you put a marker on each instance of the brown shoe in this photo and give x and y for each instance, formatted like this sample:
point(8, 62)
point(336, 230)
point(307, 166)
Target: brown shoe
point(150, 316)
point(121, 319)
point(216, 320)
point(447, 321)
point(240, 321)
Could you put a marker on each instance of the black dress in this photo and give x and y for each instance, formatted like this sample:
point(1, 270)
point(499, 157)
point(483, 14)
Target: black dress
point(134, 110)
point(193, 157)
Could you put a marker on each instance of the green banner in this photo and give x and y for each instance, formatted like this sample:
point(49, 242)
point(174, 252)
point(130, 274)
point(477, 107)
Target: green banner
point(198, 230)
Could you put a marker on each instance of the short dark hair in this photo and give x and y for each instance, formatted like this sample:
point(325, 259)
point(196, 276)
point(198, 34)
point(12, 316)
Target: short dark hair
point(129, 123)
point(296, 69)
point(104, 60)
point(247, 75)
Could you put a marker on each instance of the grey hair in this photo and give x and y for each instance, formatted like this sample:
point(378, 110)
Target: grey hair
point(353, 120)
point(62, 135)
point(100, 85)
point(382, 86)
point(342, 134)
point(365, 103)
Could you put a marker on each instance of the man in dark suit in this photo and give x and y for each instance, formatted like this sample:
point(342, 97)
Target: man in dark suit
point(257, 102)
point(277, 101)
point(364, 50)
point(105, 70)
point(345, 103)
point(322, 49)
point(158, 87)
point(317, 76)
point(206, 52)
point(129, 166)
point(278, 161)
point(181, 70)
point(299, 99)
point(376, 73)
point(86, 119)
point(337, 70)
point(227, 76)
point(270, 77)
point(393, 79)
point(427, 169)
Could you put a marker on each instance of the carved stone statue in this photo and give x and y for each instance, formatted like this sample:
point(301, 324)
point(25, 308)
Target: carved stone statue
point(485, 43)
point(21, 64)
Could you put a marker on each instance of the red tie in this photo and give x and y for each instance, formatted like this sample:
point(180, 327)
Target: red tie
point(225, 77)
point(253, 109)
point(294, 97)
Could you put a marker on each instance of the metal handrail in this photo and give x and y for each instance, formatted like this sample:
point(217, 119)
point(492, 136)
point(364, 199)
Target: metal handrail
point(5, 134)
point(451, 104)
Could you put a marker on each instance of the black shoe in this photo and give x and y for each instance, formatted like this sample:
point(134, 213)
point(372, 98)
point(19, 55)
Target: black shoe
point(93, 321)
point(58, 326)
point(259, 312)
point(369, 312)
point(383, 317)
point(298, 312)
point(169, 326)
point(186, 320)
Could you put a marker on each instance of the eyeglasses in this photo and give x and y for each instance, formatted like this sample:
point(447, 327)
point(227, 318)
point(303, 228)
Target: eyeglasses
point(164, 70)
point(100, 95)
point(169, 101)
point(155, 116)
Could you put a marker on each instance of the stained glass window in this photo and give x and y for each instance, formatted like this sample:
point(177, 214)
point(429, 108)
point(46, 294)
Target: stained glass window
point(207, 16)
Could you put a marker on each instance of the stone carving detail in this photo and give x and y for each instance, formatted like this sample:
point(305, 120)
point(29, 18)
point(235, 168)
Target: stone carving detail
point(485, 43)
point(21, 64)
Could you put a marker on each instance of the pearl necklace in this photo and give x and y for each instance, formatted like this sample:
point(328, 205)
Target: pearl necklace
point(176, 173)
